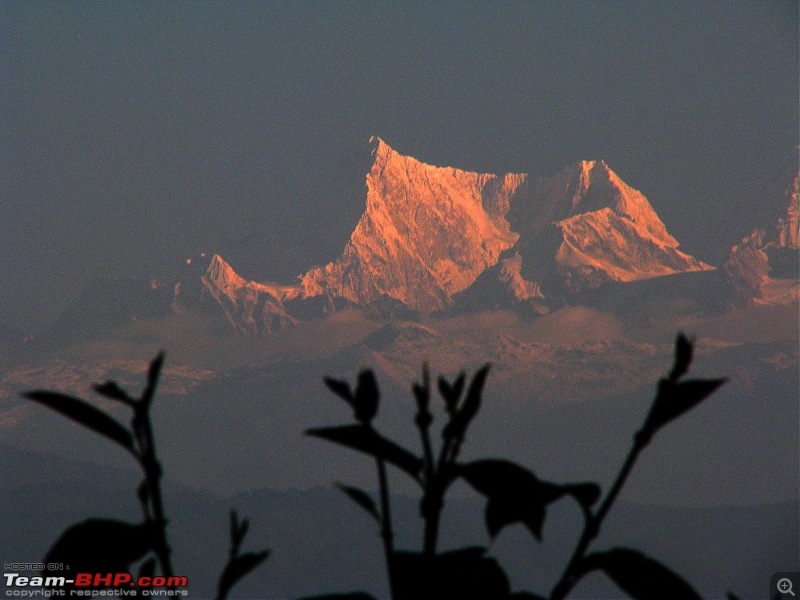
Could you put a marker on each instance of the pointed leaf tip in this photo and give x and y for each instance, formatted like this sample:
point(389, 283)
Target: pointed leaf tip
point(153, 373)
point(459, 422)
point(237, 568)
point(674, 399)
point(422, 391)
point(367, 440)
point(514, 494)
point(451, 393)
point(684, 349)
point(367, 396)
point(112, 391)
point(362, 498)
point(341, 388)
point(155, 367)
point(238, 529)
point(85, 414)
point(458, 385)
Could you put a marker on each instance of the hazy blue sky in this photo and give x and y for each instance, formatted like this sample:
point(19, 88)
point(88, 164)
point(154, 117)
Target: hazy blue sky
point(136, 134)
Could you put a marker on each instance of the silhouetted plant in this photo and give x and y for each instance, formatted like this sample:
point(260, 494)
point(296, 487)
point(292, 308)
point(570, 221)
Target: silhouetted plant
point(111, 546)
point(513, 493)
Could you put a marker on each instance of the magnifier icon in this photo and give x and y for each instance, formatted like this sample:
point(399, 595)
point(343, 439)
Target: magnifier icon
point(785, 586)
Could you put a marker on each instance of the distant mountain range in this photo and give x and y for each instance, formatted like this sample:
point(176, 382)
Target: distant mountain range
point(442, 241)
point(429, 234)
point(764, 266)
point(570, 286)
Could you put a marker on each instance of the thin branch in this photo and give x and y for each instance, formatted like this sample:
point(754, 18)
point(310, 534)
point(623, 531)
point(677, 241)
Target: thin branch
point(152, 473)
point(386, 526)
point(591, 530)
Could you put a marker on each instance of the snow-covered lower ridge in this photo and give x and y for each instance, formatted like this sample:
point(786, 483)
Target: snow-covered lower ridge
point(615, 235)
point(427, 233)
point(249, 306)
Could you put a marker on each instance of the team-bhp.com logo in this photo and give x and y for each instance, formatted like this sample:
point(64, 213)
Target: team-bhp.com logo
point(93, 585)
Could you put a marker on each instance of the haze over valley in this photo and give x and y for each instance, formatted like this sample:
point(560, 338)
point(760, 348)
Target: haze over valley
point(275, 193)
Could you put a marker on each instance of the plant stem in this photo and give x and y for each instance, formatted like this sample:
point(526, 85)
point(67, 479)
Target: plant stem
point(152, 473)
point(433, 499)
point(592, 528)
point(427, 448)
point(432, 503)
point(386, 527)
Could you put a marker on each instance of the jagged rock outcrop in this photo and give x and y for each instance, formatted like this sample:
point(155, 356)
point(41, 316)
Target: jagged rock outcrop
point(249, 306)
point(607, 231)
point(788, 227)
point(520, 288)
point(428, 233)
point(764, 268)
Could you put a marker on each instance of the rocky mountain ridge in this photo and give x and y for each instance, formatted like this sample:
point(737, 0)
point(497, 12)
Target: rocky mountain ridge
point(764, 267)
point(428, 233)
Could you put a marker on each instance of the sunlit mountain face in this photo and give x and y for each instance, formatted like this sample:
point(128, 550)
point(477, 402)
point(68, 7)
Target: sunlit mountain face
point(553, 189)
point(568, 284)
point(428, 233)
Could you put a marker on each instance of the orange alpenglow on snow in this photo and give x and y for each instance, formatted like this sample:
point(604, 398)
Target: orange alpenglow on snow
point(427, 233)
point(620, 239)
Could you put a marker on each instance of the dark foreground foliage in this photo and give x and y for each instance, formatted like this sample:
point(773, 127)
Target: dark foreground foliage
point(109, 546)
point(513, 494)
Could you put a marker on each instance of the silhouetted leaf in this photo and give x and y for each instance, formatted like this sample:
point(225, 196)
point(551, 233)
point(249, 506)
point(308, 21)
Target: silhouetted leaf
point(422, 392)
point(585, 493)
point(238, 529)
point(451, 393)
point(112, 391)
point(365, 404)
point(683, 357)
point(147, 568)
point(458, 386)
point(102, 546)
point(732, 596)
point(366, 439)
point(472, 403)
point(152, 378)
point(237, 568)
point(527, 596)
point(464, 574)
point(361, 498)
point(85, 414)
point(498, 477)
point(506, 510)
point(639, 576)
point(340, 388)
point(674, 399)
point(514, 494)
